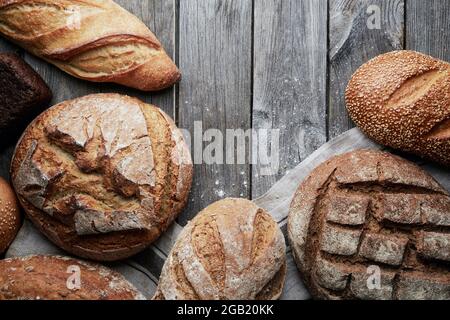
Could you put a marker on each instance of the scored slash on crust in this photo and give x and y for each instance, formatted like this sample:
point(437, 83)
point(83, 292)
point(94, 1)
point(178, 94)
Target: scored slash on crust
point(230, 250)
point(400, 99)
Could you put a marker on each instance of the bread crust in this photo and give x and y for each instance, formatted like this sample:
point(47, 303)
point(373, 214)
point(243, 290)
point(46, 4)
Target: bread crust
point(102, 176)
point(94, 40)
point(230, 250)
point(47, 278)
point(22, 91)
point(10, 218)
point(401, 99)
point(356, 203)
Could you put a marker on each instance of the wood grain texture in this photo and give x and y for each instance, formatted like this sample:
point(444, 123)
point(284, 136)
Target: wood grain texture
point(354, 39)
point(290, 45)
point(428, 27)
point(215, 58)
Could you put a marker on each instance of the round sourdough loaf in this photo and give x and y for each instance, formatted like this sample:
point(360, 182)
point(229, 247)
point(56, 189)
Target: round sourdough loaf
point(61, 278)
point(370, 225)
point(230, 250)
point(401, 99)
point(102, 176)
point(9, 215)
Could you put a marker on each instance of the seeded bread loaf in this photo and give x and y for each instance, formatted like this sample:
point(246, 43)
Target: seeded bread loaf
point(102, 176)
point(9, 215)
point(230, 250)
point(61, 278)
point(95, 40)
point(402, 100)
point(370, 225)
point(22, 91)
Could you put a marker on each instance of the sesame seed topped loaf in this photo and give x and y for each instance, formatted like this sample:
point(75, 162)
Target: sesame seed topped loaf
point(95, 40)
point(370, 225)
point(232, 250)
point(61, 278)
point(9, 215)
point(401, 99)
point(102, 176)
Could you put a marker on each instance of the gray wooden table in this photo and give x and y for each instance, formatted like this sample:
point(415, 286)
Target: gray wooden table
point(263, 64)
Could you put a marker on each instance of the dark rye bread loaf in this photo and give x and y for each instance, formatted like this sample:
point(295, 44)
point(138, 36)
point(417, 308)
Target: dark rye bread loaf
point(22, 90)
point(366, 210)
point(232, 250)
point(56, 278)
point(102, 176)
point(401, 99)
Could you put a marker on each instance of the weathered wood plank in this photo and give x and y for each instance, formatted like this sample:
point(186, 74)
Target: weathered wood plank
point(159, 16)
point(215, 93)
point(290, 45)
point(359, 30)
point(428, 27)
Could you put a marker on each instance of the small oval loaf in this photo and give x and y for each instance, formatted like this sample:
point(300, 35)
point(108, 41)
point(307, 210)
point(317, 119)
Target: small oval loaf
point(102, 176)
point(95, 40)
point(9, 215)
point(368, 215)
point(230, 250)
point(56, 278)
point(402, 100)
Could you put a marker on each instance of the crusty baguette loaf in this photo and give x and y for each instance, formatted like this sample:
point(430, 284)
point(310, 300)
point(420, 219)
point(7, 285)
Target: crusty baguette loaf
point(402, 100)
point(61, 278)
point(230, 250)
point(365, 210)
point(102, 176)
point(9, 215)
point(95, 40)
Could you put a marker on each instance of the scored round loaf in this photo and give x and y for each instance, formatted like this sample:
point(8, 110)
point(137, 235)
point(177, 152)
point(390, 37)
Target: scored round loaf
point(370, 225)
point(61, 278)
point(401, 99)
point(232, 250)
point(9, 215)
point(102, 176)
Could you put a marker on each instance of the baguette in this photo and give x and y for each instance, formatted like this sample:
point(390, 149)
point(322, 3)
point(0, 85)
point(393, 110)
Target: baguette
point(230, 250)
point(402, 100)
point(95, 40)
point(61, 278)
